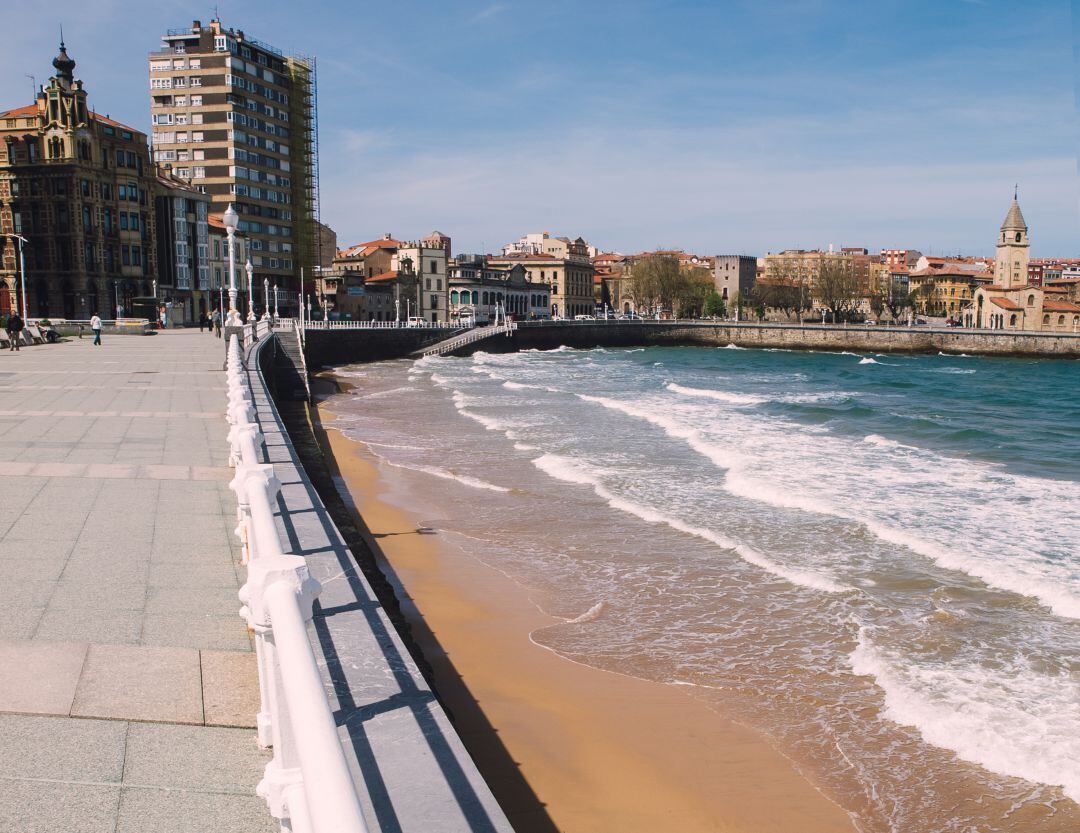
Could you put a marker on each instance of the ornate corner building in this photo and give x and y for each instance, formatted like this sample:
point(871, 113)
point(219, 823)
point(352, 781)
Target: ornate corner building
point(78, 188)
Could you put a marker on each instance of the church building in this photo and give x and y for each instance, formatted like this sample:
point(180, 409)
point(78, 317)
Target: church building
point(1011, 302)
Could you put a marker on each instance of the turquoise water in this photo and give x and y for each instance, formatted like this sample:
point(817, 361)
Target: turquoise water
point(873, 559)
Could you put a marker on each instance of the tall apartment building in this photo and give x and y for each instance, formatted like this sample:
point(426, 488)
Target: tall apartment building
point(238, 118)
point(79, 188)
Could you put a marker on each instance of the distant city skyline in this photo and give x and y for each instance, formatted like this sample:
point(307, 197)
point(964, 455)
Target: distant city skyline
point(708, 127)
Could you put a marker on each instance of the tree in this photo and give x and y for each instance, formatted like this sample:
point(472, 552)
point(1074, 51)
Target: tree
point(877, 304)
point(838, 290)
point(659, 282)
point(714, 305)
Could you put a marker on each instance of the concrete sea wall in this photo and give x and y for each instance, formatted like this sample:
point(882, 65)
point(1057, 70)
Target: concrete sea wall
point(334, 347)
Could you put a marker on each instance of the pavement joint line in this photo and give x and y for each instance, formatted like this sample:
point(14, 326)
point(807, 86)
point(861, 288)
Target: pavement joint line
point(128, 785)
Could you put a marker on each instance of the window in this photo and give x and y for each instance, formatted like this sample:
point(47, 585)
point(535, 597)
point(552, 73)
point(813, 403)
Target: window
point(196, 118)
point(136, 256)
point(197, 136)
point(134, 222)
point(1031, 300)
point(196, 101)
point(195, 81)
point(123, 221)
point(434, 301)
point(198, 172)
point(181, 118)
point(196, 63)
point(125, 255)
point(119, 158)
point(199, 155)
point(1046, 319)
point(1012, 320)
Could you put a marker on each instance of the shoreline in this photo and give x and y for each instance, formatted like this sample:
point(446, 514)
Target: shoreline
point(590, 750)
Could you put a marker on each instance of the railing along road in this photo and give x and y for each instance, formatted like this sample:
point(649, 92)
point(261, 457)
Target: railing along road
point(307, 785)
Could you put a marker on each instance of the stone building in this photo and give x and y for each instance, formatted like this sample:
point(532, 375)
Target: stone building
point(237, 117)
point(422, 277)
point(944, 286)
point(1012, 302)
point(78, 186)
point(734, 275)
point(567, 270)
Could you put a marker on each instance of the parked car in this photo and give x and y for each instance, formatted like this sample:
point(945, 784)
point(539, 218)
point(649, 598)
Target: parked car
point(415, 321)
point(629, 316)
point(584, 317)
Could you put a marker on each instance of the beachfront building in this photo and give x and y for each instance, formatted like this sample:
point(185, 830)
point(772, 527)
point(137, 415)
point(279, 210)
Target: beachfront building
point(238, 118)
point(479, 293)
point(78, 187)
point(565, 267)
point(421, 270)
point(1012, 302)
point(183, 244)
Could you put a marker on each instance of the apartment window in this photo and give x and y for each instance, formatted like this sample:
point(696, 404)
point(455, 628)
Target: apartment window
point(84, 186)
point(180, 81)
point(181, 118)
point(195, 81)
point(136, 256)
point(434, 301)
point(123, 221)
point(196, 63)
point(159, 66)
point(134, 222)
point(196, 101)
point(125, 255)
point(199, 155)
point(221, 44)
point(199, 172)
point(131, 159)
point(196, 118)
point(180, 101)
point(181, 138)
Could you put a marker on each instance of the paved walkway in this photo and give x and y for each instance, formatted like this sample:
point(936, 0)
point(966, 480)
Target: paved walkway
point(127, 679)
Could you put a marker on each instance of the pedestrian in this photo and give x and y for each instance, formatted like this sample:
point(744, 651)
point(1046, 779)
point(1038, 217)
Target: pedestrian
point(95, 325)
point(217, 323)
point(202, 321)
point(14, 329)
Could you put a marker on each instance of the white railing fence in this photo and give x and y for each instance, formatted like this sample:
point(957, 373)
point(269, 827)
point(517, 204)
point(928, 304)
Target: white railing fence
point(307, 785)
point(378, 325)
point(478, 334)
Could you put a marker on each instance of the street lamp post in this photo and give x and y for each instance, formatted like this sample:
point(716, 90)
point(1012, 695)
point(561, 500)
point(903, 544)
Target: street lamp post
point(266, 299)
point(275, 302)
point(22, 271)
point(231, 219)
point(251, 295)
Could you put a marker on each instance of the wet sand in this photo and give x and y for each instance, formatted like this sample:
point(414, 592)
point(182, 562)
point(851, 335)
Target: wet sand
point(599, 751)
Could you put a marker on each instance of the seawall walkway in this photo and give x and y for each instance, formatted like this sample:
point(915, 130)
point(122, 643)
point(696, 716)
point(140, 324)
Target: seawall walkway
point(128, 686)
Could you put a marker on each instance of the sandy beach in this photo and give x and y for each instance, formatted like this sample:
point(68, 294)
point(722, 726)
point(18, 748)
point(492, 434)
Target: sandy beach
point(594, 750)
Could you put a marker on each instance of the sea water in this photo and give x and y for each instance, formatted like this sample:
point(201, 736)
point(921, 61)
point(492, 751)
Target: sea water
point(871, 559)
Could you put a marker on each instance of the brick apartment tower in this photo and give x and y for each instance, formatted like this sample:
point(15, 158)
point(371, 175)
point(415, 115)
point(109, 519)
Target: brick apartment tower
point(239, 119)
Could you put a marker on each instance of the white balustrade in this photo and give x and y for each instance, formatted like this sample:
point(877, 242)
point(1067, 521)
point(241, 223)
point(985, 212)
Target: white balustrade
point(307, 785)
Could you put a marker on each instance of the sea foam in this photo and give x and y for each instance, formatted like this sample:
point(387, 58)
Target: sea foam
point(1013, 720)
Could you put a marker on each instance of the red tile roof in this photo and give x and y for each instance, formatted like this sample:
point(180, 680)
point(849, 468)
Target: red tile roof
point(1060, 306)
point(385, 276)
point(1005, 303)
point(28, 110)
point(31, 110)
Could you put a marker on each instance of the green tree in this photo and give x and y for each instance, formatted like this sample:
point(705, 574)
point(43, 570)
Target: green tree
point(838, 290)
point(714, 305)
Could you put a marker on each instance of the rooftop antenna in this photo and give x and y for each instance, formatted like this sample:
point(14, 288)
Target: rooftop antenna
point(61, 35)
point(33, 83)
point(1016, 190)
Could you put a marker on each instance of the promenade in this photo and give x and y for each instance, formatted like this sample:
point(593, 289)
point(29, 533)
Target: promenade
point(128, 686)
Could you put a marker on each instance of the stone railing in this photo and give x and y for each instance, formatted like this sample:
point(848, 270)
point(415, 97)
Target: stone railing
point(307, 786)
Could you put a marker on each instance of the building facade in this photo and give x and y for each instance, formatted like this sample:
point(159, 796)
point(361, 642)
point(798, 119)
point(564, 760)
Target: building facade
point(237, 118)
point(78, 187)
point(479, 293)
point(567, 271)
point(183, 245)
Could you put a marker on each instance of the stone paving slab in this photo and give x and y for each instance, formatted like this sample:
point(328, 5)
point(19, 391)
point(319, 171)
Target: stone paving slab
point(39, 677)
point(160, 685)
point(230, 688)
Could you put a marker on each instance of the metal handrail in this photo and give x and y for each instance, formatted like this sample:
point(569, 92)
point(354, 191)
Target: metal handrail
point(308, 785)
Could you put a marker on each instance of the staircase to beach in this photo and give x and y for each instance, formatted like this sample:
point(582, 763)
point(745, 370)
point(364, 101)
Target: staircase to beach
point(473, 336)
point(290, 369)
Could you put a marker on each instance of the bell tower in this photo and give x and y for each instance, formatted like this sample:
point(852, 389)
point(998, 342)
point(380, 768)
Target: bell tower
point(1011, 263)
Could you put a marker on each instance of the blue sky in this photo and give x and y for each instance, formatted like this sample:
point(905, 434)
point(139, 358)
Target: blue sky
point(711, 126)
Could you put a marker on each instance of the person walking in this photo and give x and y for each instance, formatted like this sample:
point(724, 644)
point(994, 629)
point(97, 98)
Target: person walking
point(202, 321)
point(217, 323)
point(95, 325)
point(14, 329)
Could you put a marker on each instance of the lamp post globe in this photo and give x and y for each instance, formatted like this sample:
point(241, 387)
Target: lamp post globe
point(275, 301)
point(231, 220)
point(266, 299)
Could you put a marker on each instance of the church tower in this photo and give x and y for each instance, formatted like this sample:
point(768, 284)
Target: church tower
point(1011, 263)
